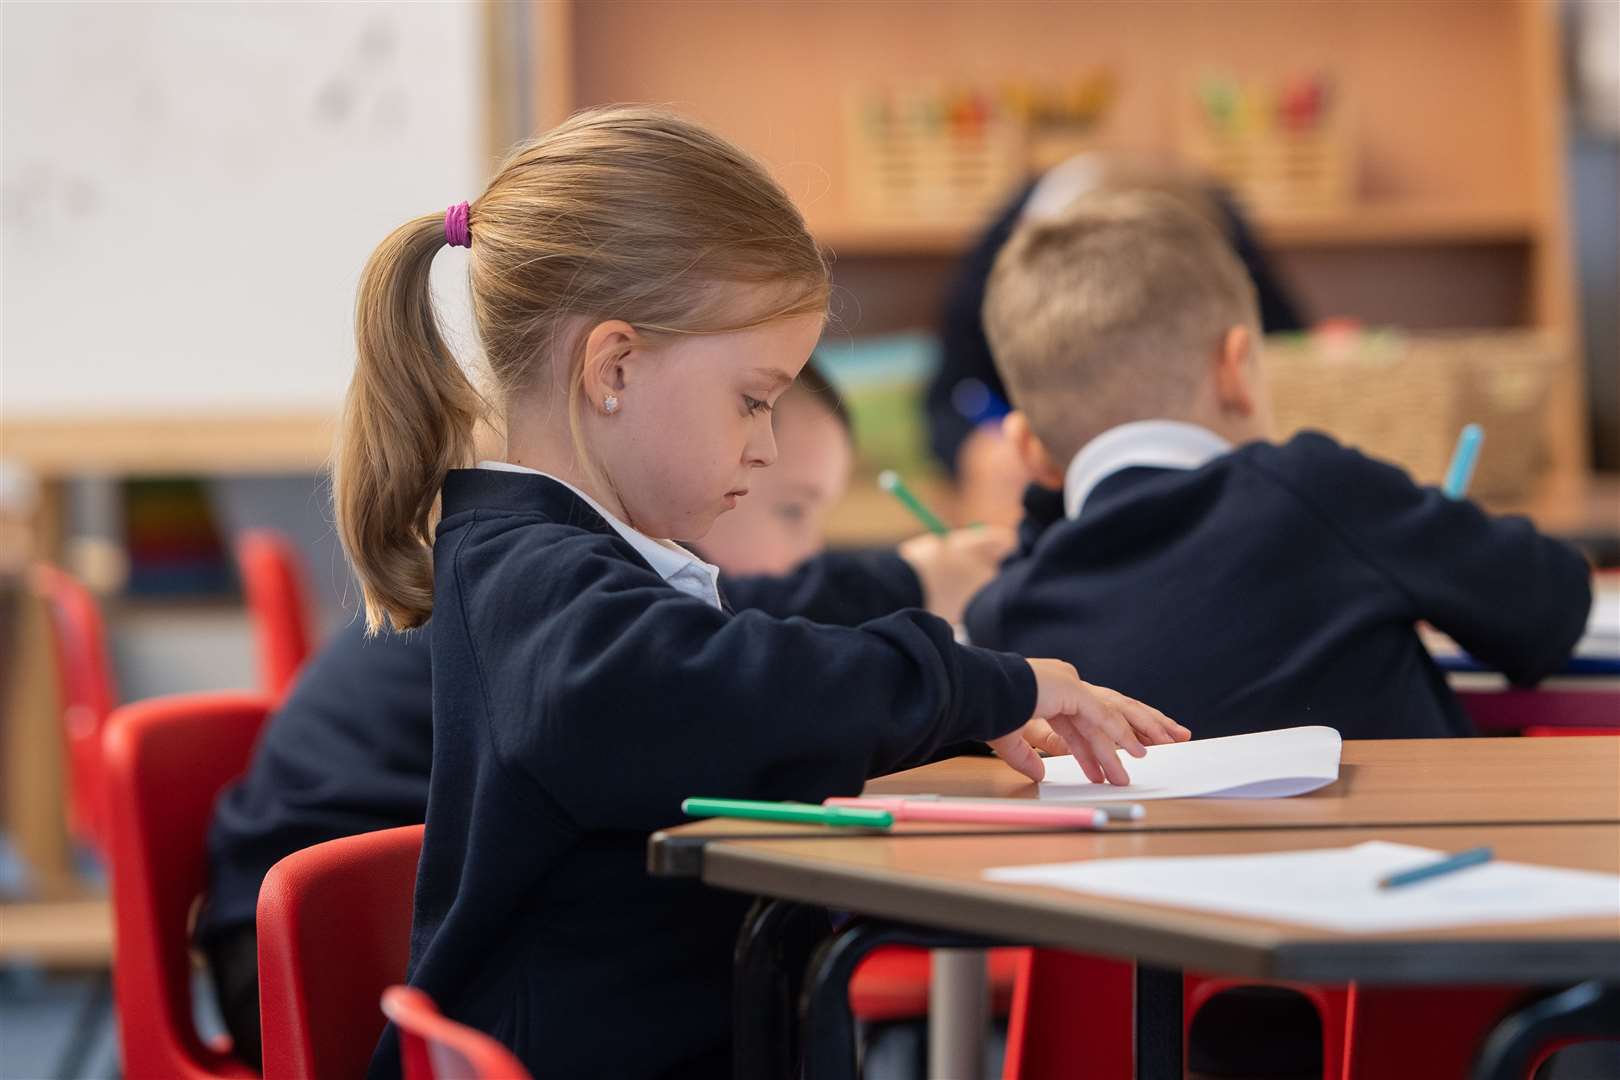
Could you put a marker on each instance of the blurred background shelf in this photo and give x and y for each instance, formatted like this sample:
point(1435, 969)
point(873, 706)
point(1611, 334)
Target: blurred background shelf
point(1369, 225)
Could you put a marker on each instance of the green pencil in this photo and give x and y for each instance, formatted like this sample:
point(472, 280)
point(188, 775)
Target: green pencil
point(799, 813)
point(890, 481)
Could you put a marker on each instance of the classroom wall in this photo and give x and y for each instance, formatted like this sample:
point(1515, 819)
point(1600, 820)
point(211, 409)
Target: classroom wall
point(190, 191)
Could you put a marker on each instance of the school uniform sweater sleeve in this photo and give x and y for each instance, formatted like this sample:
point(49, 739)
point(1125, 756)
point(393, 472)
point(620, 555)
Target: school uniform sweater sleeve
point(633, 696)
point(840, 588)
point(982, 619)
point(1513, 598)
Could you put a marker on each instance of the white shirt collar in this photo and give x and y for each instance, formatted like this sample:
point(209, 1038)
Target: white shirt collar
point(1155, 444)
point(673, 563)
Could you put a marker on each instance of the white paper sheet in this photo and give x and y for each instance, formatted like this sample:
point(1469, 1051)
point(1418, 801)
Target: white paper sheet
point(1337, 888)
point(1264, 765)
point(1603, 626)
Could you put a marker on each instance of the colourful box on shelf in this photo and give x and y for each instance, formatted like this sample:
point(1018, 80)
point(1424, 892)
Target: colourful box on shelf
point(1284, 149)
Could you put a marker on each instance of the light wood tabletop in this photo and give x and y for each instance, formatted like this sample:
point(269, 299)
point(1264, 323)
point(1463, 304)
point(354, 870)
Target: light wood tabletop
point(938, 881)
point(1401, 783)
point(1381, 782)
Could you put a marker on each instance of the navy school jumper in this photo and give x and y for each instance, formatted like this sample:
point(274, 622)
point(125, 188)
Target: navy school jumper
point(1281, 585)
point(577, 698)
point(350, 748)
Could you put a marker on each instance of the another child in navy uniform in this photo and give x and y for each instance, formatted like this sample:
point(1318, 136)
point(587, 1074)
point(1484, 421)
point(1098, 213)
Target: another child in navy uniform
point(1286, 581)
point(350, 749)
point(1169, 551)
point(644, 294)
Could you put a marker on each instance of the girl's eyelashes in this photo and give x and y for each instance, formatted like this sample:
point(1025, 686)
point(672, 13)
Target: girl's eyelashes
point(755, 405)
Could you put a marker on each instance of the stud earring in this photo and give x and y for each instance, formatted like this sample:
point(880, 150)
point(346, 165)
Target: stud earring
point(610, 404)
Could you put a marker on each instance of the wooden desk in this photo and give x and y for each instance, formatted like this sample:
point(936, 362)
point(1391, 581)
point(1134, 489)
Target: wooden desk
point(937, 883)
point(60, 935)
point(1534, 798)
point(1382, 782)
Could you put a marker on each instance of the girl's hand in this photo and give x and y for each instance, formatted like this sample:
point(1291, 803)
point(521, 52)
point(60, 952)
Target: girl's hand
point(1090, 722)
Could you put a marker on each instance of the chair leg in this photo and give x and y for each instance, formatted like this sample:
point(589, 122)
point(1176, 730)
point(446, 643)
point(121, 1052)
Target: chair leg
point(827, 1023)
point(1590, 1010)
point(93, 1013)
point(773, 947)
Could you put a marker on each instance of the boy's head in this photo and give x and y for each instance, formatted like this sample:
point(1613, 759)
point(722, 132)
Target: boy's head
point(1129, 306)
point(782, 520)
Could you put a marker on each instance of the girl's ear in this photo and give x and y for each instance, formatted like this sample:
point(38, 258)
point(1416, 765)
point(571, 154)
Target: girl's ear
point(608, 368)
point(1031, 451)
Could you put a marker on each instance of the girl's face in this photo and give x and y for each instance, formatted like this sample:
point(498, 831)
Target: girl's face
point(783, 520)
point(693, 420)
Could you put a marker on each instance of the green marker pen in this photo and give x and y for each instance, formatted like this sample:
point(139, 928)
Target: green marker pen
point(890, 481)
point(798, 813)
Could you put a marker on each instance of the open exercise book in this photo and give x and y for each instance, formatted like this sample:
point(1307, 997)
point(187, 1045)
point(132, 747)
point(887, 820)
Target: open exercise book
point(1264, 765)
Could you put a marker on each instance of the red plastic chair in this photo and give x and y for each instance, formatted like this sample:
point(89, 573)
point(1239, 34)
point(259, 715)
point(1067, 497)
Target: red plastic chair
point(334, 925)
point(164, 762)
point(1072, 1007)
point(1502, 711)
point(1538, 731)
point(433, 1047)
point(279, 603)
point(1067, 1008)
point(892, 983)
point(1332, 1004)
point(85, 678)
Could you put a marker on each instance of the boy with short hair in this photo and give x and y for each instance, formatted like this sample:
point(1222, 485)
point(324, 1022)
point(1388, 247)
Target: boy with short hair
point(1169, 551)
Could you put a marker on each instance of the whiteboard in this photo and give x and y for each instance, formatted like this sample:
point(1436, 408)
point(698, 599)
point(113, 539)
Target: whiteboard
point(190, 191)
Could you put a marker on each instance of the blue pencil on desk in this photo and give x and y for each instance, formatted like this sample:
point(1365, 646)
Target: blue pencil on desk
point(1450, 864)
point(1461, 472)
point(890, 481)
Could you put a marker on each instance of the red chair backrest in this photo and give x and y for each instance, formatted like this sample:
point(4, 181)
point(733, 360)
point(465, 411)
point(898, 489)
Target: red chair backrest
point(279, 602)
point(433, 1047)
point(1498, 711)
point(85, 681)
point(165, 761)
point(334, 932)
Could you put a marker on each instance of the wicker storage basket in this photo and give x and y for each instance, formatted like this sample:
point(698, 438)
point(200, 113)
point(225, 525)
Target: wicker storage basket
point(1404, 398)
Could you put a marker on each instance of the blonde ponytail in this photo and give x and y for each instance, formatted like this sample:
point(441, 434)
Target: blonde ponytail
point(408, 419)
point(626, 213)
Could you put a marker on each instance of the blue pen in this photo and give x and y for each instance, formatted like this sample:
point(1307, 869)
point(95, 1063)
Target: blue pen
point(1451, 863)
point(1463, 460)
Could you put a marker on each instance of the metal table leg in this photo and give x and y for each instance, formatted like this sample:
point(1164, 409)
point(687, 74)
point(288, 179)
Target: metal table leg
point(958, 1014)
point(1159, 1054)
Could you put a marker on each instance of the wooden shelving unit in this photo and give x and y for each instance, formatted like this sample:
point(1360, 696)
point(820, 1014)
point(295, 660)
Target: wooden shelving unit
point(1458, 219)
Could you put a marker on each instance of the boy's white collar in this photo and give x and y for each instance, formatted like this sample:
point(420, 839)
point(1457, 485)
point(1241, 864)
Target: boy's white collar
point(1155, 444)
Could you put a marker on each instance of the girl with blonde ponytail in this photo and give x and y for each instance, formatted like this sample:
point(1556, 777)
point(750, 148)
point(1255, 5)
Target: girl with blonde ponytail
point(643, 293)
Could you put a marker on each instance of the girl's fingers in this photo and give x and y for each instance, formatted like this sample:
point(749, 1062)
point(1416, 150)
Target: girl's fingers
point(1040, 735)
point(1074, 737)
point(1020, 755)
point(1166, 730)
point(1118, 728)
point(1103, 748)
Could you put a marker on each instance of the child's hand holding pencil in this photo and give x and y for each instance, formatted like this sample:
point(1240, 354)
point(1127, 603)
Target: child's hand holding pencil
point(952, 567)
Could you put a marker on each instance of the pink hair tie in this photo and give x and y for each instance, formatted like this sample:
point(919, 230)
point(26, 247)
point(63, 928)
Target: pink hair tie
point(456, 230)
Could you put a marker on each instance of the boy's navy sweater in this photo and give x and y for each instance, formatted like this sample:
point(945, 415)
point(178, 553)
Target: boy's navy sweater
point(577, 699)
point(1281, 585)
point(350, 748)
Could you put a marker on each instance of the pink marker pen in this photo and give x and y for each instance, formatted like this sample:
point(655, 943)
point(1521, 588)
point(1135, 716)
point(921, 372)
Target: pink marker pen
point(1018, 812)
